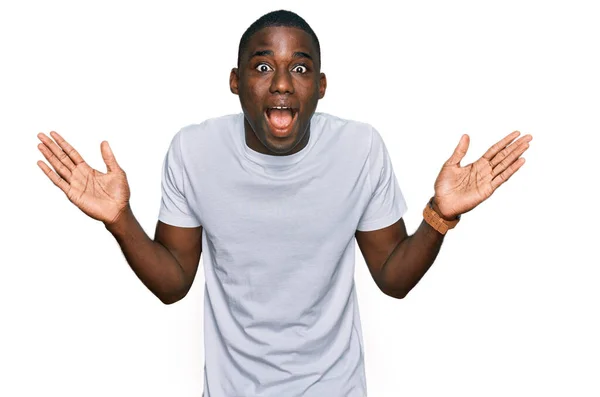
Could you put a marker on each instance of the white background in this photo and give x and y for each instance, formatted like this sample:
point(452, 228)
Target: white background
point(510, 308)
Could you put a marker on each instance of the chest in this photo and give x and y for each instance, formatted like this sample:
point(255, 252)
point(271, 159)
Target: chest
point(293, 209)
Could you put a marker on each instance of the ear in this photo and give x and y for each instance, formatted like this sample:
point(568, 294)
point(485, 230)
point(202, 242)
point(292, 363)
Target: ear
point(322, 85)
point(234, 81)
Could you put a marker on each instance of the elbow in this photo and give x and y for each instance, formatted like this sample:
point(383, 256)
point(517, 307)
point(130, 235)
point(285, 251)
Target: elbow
point(395, 293)
point(173, 293)
point(169, 299)
point(391, 290)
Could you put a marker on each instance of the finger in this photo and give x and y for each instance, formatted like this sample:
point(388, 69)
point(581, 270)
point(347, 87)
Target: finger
point(509, 149)
point(511, 158)
point(491, 152)
point(67, 148)
point(460, 151)
point(53, 176)
point(57, 151)
point(109, 157)
point(60, 168)
point(505, 176)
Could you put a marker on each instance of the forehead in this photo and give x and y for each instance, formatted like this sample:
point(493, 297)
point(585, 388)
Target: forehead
point(281, 40)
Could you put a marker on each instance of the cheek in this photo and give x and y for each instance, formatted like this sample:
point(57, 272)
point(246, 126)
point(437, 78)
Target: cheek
point(256, 93)
point(307, 89)
point(257, 87)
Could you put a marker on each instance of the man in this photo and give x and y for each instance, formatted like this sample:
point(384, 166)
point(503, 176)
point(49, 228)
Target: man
point(276, 197)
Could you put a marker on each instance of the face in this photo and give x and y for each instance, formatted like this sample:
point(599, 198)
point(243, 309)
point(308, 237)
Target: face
point(279, 84)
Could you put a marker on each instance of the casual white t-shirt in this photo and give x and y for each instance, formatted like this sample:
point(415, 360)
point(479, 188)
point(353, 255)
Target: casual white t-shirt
point(281, 315)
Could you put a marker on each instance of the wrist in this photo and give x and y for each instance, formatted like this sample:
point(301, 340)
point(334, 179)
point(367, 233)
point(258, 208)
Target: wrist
point(435, 220)
point(120, 222)
point(445, 217)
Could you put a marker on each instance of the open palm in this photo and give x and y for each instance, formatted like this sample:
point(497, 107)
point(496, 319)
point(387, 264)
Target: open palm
point(102, 196)
point(459, 189)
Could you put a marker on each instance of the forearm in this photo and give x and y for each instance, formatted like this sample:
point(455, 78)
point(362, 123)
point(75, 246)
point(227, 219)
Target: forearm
point(152, 262)
point(410, 260)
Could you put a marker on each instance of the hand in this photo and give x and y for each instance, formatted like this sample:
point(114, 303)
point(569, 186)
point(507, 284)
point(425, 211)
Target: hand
point(460, 189)
point(102, 196)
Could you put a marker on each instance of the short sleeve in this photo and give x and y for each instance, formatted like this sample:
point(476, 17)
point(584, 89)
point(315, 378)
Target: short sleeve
point(387, 204)
point(174, 207)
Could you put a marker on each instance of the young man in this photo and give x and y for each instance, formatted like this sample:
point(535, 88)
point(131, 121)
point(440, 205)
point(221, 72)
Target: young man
point(276, 197)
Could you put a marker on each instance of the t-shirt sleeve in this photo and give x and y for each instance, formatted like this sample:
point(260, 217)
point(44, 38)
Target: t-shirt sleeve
point(387, 204)
point(174, 206)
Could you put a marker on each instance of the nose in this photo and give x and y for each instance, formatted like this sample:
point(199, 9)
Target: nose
point(282, 82)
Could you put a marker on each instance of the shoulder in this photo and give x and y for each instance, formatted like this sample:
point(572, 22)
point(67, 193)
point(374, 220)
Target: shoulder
point(342, 132)
point(340, 128)
point(328, 121)
point(207, 129)
point(207, 139)
point(205, 142)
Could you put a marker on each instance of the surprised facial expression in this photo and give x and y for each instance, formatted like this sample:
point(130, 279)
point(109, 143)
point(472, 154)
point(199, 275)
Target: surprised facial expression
point(279, 84)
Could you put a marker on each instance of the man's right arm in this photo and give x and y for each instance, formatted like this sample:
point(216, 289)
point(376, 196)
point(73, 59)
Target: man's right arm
point(166, 265)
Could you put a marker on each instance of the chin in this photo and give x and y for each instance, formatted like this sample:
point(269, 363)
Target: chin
point(280, 142)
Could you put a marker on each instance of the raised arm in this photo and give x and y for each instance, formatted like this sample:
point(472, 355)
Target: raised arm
point(166, 265)
point(398, 261)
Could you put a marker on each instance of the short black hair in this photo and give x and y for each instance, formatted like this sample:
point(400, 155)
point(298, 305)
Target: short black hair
point(277, 18)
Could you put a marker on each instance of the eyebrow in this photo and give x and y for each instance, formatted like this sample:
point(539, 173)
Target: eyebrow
point(297, 54)
point(301, 54)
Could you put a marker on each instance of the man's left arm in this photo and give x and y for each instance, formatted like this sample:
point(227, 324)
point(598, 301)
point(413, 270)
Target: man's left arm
point(398, 261)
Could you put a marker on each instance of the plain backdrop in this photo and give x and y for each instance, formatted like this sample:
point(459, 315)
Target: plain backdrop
point(510, 308)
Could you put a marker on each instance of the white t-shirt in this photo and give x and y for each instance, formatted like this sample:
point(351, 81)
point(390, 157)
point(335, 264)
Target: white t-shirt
point(281, 315)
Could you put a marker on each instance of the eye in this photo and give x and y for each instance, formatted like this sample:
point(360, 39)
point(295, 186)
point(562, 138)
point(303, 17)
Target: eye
point(300, 69)
point(263, 67)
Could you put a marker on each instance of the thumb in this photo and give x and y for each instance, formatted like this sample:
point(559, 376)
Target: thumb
point(460, 151)
point(108, 157)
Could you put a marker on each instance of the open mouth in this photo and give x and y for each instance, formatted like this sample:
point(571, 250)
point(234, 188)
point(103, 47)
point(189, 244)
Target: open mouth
point(281, 118)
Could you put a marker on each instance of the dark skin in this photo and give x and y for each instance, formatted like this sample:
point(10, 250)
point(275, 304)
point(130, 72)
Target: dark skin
point(280, 67)
point(396, 261)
